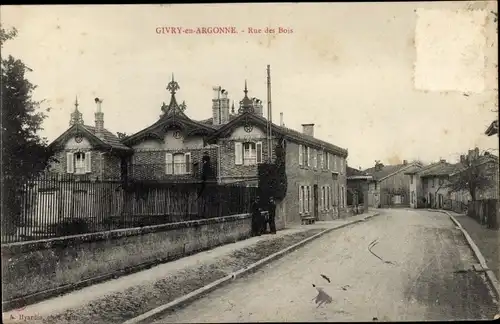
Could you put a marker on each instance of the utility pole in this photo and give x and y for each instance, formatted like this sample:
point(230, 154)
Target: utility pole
point(269, 116)
point(218, 100)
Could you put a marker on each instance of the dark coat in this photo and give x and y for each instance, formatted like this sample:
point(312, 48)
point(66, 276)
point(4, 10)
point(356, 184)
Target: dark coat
point(272, 210)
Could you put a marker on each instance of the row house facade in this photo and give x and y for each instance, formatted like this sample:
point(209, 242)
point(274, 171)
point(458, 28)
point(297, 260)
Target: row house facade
point(430, 185)
point(390, 185)
point(230, 145)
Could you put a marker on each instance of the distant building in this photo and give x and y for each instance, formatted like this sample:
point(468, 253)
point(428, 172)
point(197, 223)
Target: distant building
point(390, 186)
point(357, 186)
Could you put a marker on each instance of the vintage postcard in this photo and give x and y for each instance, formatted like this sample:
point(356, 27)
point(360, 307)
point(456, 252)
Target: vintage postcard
point(250, 162)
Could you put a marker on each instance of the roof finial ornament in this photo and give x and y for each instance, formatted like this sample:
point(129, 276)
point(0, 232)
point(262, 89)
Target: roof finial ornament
point(183, 106)
point(76, 115)
point(246, 104)
point(173, 86)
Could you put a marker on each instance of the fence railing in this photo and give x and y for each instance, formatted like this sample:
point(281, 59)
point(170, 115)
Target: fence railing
point(456, 206)
point(485, 212)
point(60, 206)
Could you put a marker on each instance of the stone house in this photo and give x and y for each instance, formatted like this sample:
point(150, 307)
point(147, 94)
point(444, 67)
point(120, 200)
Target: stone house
point(390, 186)
point(357, 186)
point(231, 144)
point(487, 165)
point(435, 182)
point(88, 151)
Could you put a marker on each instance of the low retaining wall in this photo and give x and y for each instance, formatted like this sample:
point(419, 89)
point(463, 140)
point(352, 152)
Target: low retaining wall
point(35, 270)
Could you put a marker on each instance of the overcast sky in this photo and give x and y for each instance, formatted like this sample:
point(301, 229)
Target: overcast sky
point(349, 68)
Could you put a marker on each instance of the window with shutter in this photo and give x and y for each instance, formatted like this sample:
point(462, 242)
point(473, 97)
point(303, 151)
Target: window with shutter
point(238, 153)
point(70, 167)
point(301, 199)
point(308, 156)
point(187, 157)
point(322, 198)
point(301, 153)
point(328, 206)
point(315, 158)
point(80, 165)
point(322, 157)
point(88, 163)
point(259, 152)
point(249, 153)
point(169, 165)
point(308, 191)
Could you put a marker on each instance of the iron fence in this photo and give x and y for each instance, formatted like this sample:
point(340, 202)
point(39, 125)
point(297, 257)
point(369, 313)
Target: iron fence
point(485, 212)
point(53, 206)
point(455, 205)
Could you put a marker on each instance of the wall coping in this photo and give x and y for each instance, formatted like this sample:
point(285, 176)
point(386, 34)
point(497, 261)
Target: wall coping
point(66, 241)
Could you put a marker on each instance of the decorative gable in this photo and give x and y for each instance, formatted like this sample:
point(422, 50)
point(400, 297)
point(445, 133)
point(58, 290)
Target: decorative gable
point(173, 126)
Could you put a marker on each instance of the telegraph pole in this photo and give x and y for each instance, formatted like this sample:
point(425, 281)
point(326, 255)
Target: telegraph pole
point(269, 115)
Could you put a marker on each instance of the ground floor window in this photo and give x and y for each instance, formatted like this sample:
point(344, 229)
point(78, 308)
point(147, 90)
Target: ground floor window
point(178, 163)
point(78, 162)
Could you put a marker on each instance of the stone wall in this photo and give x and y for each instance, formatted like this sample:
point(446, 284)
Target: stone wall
point(32, 271)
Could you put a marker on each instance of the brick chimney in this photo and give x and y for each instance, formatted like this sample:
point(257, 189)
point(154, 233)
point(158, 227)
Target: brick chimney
point(99, 119)
point(405, 162)
point(220, 106)
point(308, 129)
point(378, 165)
point(224, 107)
point(282, 123)
point(257, 106)
point(462, 158)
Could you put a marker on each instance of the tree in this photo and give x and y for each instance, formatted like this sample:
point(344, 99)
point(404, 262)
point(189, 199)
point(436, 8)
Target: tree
point(25, 153)
point(470, 176)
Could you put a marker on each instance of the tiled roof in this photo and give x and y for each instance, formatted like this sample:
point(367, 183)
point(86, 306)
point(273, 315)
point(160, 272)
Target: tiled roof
point(439, 169)
point(354, 172)
point(385, 171)
point(294, 133)
point(109, 138)
point(413, 170)
point(209, 121)
point(285, 131)
point(492, 129)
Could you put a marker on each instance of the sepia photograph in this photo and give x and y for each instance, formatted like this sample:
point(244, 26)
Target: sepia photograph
point(250, 162)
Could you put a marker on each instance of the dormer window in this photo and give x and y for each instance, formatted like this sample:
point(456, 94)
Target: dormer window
point(78, 162)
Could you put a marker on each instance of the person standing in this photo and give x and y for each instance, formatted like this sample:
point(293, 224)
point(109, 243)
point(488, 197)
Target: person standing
point(256, 212)
point(272, 215)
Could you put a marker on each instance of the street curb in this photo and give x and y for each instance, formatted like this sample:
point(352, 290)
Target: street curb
point(212, 286)
point(479, 256)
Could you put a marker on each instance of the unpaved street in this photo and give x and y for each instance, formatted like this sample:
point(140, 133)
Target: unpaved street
point(419, 282)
